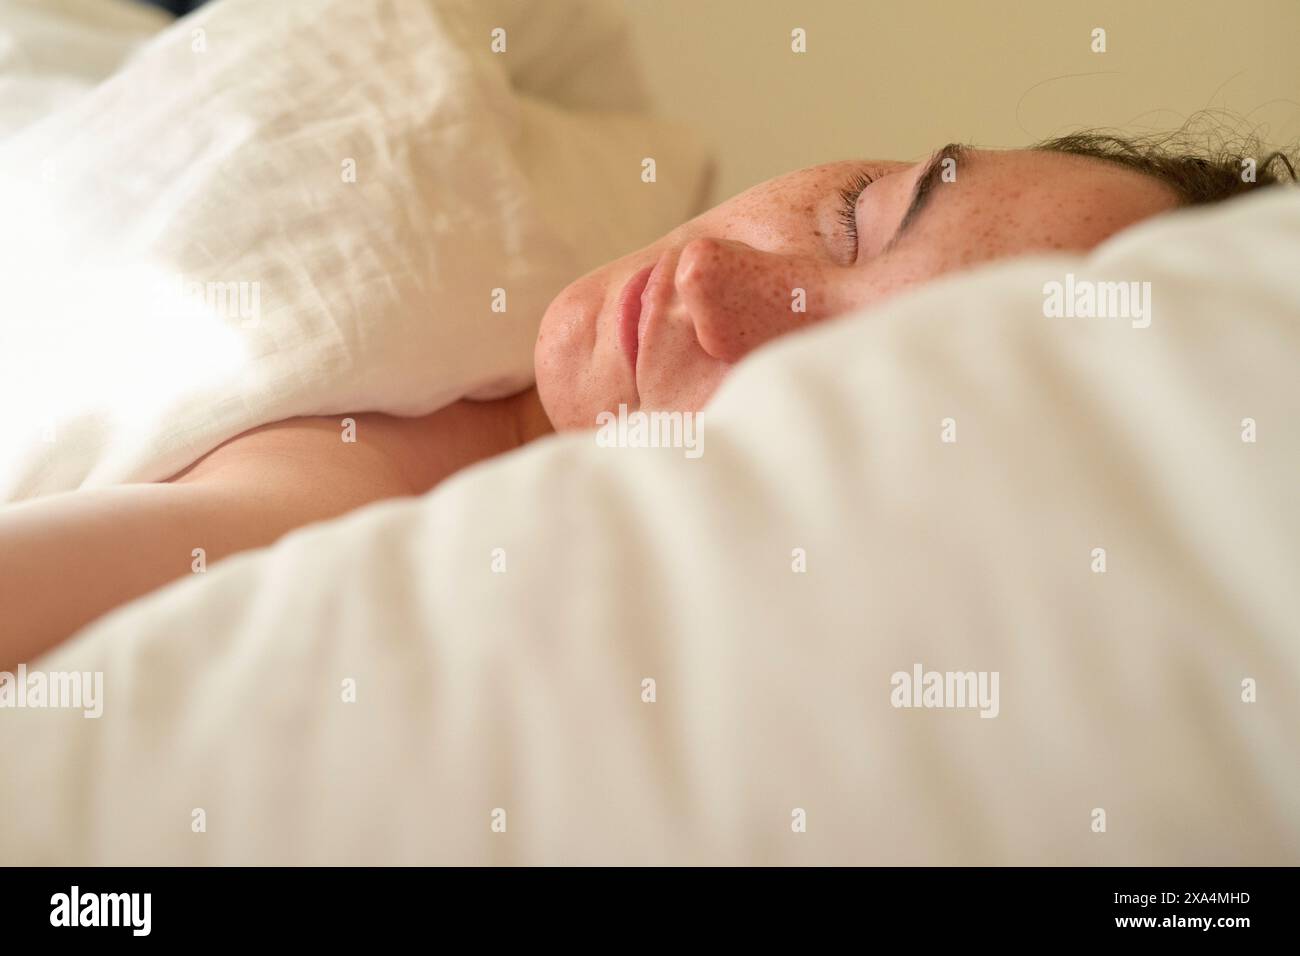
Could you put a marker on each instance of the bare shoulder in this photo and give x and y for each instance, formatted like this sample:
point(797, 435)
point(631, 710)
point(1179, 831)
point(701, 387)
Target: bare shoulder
point(367, 455)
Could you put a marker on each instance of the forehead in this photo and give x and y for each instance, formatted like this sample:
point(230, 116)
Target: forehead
point(1003, 169)
point(1063, 174)
point(1081, 197)
point(1052, 200)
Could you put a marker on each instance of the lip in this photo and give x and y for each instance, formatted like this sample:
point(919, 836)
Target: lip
point(629, 314)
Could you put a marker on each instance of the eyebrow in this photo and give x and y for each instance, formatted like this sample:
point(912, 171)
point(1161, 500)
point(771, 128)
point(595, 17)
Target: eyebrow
point(923, 192)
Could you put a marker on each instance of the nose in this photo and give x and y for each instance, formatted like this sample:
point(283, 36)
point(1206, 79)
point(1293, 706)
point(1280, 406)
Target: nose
point(740, 297)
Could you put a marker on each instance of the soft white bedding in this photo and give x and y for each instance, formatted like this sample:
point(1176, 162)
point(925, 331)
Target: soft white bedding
point(53, 52)
point(316, 207)
point(480, 690)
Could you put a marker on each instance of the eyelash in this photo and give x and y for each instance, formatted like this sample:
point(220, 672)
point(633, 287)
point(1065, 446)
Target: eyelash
point(849, 194)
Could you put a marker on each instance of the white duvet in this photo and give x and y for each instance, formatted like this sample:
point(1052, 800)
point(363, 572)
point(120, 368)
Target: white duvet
point(462, 678)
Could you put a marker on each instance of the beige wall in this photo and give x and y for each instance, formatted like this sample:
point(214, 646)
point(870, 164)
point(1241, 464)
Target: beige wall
point(895, 79)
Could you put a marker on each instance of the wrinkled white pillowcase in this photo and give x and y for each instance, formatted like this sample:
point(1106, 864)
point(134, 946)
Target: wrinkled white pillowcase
point(309, 208)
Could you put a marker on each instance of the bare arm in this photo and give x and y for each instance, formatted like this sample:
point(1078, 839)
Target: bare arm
point(67, 559)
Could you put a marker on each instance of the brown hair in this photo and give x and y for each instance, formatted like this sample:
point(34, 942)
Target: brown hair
point(1197, 174)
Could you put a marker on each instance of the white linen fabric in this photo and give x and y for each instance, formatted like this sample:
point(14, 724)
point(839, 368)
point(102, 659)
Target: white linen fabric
point(499, 633)
point(52, 52)
point(318, 207)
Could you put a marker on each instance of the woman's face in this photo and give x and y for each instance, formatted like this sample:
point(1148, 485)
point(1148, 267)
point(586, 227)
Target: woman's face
point(659, 329)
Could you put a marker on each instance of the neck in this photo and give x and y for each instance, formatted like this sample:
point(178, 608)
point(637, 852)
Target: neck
point(434, 447)
point(528, 415)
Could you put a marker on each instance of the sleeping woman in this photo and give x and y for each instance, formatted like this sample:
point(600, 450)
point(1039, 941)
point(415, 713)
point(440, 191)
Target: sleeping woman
point(656, 330)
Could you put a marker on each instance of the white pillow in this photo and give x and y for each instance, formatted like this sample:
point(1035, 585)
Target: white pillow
point(376, 689)
point(186, 256)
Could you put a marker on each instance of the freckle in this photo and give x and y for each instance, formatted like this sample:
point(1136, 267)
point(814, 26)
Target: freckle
point(807, 208)
point(817, 233)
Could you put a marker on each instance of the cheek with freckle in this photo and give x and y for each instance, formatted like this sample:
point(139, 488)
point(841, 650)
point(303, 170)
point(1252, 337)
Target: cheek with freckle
point(562, 357)
point(564, 333)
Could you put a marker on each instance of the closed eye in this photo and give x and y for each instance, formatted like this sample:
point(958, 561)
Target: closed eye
point(850, 192)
